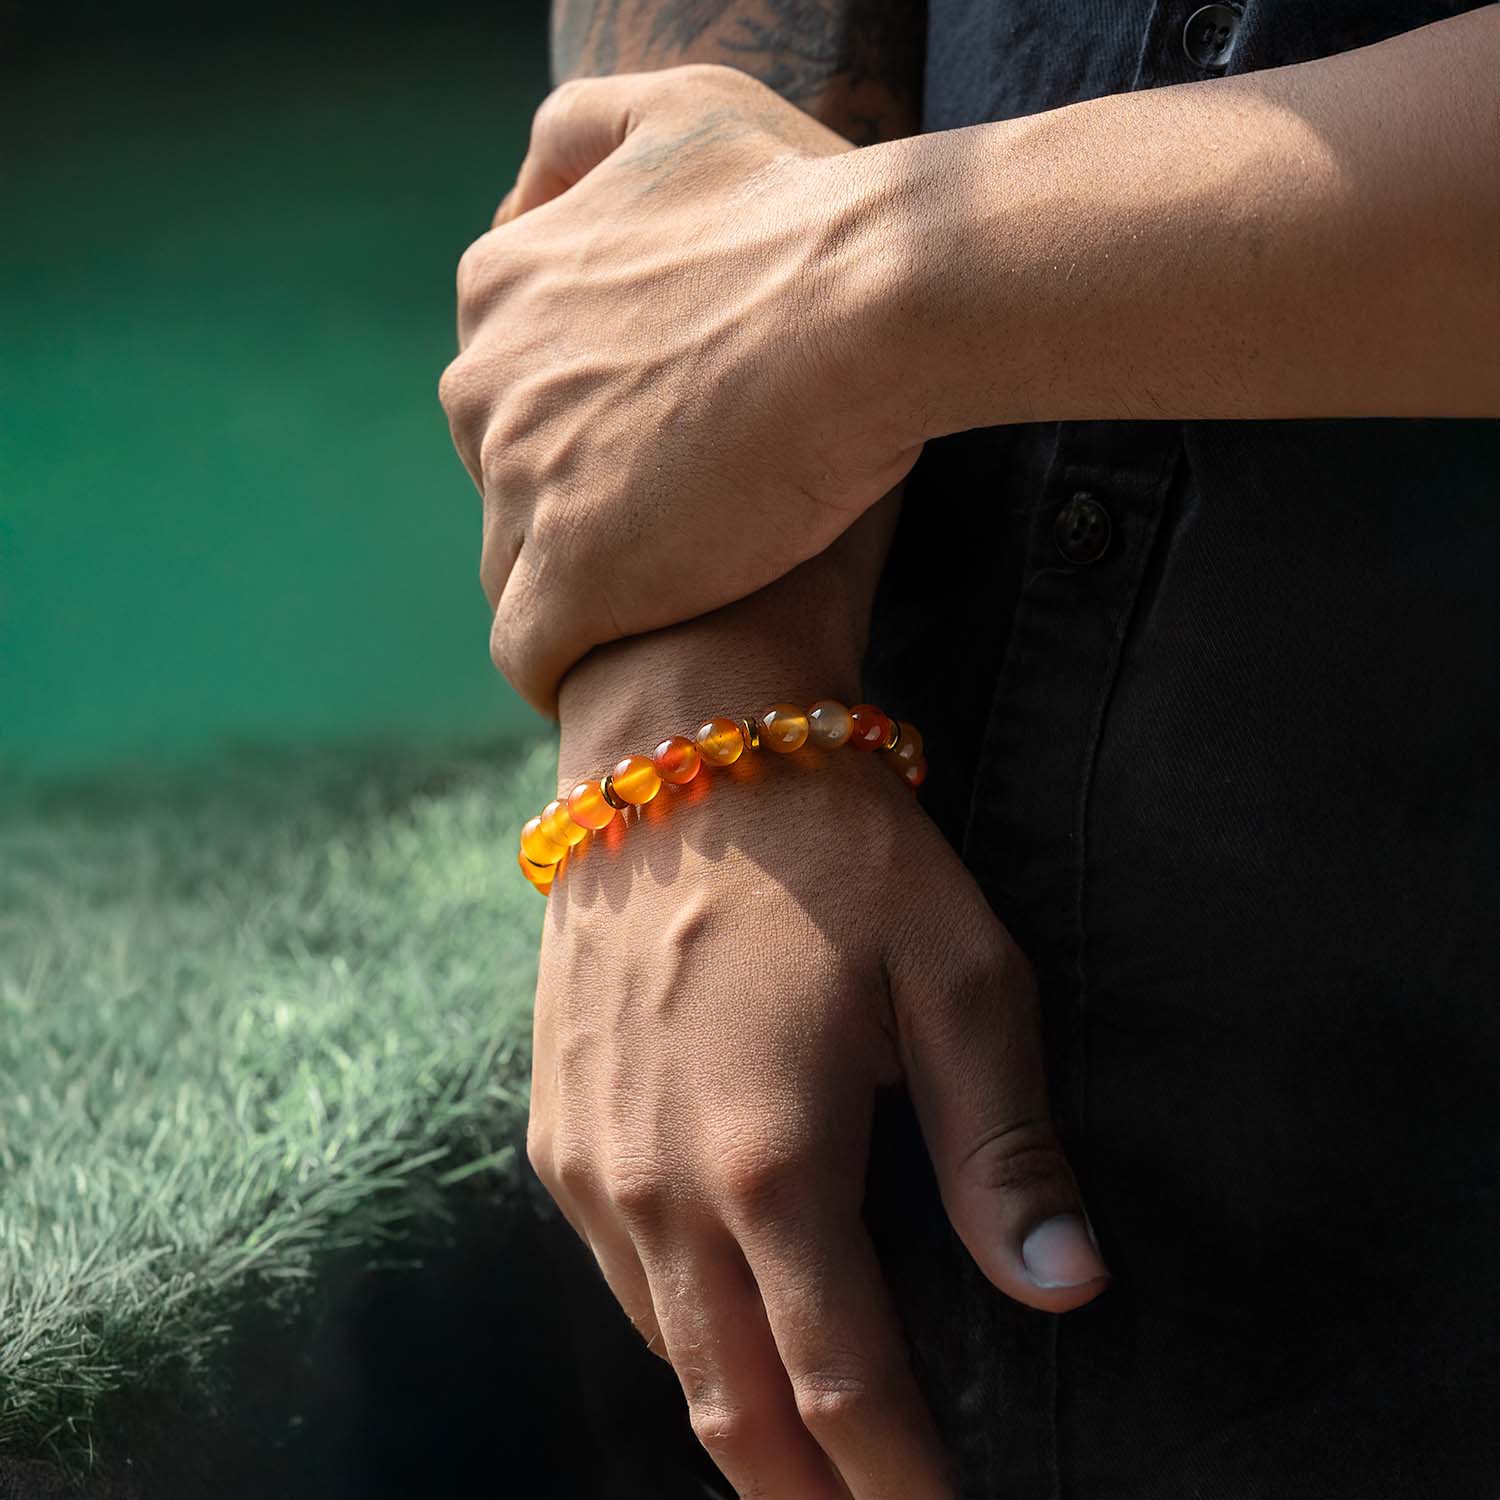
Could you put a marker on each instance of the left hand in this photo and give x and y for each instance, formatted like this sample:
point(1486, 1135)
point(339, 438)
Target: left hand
point(666, 391)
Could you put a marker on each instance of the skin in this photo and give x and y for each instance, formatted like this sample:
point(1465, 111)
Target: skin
point(694, 292)
point(722, 994)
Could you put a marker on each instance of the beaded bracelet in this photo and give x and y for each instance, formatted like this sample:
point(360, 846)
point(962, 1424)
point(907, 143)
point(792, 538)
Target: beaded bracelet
point(567, 821)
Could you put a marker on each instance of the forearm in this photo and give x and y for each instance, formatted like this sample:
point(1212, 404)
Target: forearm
point(799, 639)
point(1319, 240)
point(856, 65)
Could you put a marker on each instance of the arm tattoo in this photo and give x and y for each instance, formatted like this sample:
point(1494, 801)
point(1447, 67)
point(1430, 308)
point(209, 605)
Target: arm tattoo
point(856, 64)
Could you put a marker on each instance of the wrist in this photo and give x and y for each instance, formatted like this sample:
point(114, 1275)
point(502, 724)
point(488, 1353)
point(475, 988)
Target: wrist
point(799, 639)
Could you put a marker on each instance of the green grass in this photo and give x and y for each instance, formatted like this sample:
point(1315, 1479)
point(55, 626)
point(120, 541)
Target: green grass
point(245, 1023)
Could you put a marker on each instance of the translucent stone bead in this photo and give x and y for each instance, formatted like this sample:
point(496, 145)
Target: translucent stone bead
point(558, 825)
point(828, 724)
point(635, 780)
point(587, 807)
point(783, 728)
point(720, 742)
point(676, 760)
point(908, 749)
point(541, 876)
point(915, 773)
point(535, 844)
point(871, 727)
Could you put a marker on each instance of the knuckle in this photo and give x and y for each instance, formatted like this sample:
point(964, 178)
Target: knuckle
point(573, 1168)
point(456, 388)
point(723, 1427)
point(553, 110)
point(832, 1399)
point(1018, 1157)
point(467, 276)
point(757, 1182)
point(639, 1195)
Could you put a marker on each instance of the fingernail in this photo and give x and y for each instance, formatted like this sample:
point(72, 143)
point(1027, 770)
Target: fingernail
point(1060, 1252)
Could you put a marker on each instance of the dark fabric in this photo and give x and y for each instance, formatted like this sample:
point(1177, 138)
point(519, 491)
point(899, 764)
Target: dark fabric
point(1235, 787)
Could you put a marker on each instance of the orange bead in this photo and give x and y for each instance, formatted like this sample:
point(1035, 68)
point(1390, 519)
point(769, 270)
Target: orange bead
point(829, 724)
point(916, 773)
point(587, 807)
point(720, 742)
point(535, 844)
point(908, 749)
point(541, 876)
point(871, 727)
point(783, 728)
point(635, 780)
point(676, 760)
point(559, 826)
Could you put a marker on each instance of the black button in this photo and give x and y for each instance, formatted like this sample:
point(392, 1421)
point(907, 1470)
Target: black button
point(1208, 37)
point(1082, 530)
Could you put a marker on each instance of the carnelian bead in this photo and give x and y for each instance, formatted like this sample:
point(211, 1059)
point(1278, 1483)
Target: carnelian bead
point(587, 807)
point(720, 742)
point(540, 876)
point(635, 780)
point(783, 728)
point(676, 760)
point(871, 727)
point(535, 844)
point(829, 724)
point(908, 749)
point(916, 773)
point(559, 826)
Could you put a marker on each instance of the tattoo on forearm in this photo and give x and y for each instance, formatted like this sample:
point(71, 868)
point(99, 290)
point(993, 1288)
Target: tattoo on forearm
point(855, 63)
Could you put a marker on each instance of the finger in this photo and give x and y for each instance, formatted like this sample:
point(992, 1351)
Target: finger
point(972, 1052)
point(577, 126)
point(844, 1351)
point(739, 1399)
point(565, 1168)
point(622, 1270)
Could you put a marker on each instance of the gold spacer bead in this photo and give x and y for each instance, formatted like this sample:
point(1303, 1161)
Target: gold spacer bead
point(895, 737)
point(611, 796)
point(751, 731)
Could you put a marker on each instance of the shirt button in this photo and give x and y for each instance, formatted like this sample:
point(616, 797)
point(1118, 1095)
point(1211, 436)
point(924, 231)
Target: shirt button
point(1208, 37)
point(1082, 530)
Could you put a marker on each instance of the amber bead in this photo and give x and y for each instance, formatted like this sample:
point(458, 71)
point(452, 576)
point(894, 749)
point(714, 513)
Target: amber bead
point(828, 724)
point(783, 728)
point(541, 876)
point(586, 806)
point(908, 749)
point(536, 845)
point(915, 773)
point(871, 727)
point(558, 825)
point(676, 760)
point(635, 780)
point(720, 742)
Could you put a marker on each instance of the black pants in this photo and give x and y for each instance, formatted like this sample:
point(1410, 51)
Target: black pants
point(1231, 779)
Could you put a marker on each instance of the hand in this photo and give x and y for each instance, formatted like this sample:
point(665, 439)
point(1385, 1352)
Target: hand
point(661, 392)
point(722, 993)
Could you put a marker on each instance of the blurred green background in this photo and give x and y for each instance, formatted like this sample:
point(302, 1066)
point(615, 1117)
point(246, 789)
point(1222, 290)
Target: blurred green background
point(229, 510)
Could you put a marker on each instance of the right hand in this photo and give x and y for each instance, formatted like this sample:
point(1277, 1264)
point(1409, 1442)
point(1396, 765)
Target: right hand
point(723, 990)
point(674, 380)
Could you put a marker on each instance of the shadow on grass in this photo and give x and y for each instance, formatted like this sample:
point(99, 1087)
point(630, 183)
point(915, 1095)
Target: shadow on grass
point(479, 1357)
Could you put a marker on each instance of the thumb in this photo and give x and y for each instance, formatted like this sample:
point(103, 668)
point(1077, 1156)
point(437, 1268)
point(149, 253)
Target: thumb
point(972, 1053)
point(578, 124)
